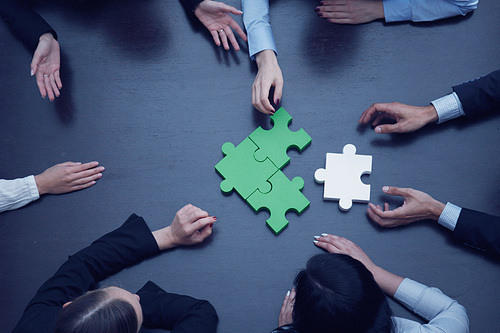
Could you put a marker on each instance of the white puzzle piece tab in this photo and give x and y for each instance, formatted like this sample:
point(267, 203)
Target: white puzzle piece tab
point(342, 177)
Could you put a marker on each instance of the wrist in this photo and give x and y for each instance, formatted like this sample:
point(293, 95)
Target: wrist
point(436, 208)
point(265, 56)
point(164, 238)
point(46, 36)
point(40, 185)
point(430, 114)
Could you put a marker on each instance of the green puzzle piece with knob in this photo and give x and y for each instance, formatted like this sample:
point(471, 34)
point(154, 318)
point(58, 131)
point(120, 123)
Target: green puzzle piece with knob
point(253, 170)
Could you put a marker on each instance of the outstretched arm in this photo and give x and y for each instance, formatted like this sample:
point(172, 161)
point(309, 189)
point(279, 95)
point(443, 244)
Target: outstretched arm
point(442, 313)
point(121, 248)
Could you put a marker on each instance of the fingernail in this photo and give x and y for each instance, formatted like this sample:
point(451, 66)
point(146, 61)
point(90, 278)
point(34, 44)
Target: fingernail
point(378, 130)
point(211, 225)
point(317, 237)
point(385, 188)
point(315, 241)
point(32, 72)
point(321, 3)
point(320, 14)
point(278, 102)
point(215, 219)
point(316, 9)
point(324, 235)
point(288, 293)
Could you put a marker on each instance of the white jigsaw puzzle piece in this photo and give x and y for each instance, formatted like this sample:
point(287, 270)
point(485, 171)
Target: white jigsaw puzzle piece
point(342, 177)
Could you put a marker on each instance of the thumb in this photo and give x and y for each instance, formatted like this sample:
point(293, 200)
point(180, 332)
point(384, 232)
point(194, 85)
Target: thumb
point(34, 63)
point(387, 128)
point(229, 9)
point(393, 190)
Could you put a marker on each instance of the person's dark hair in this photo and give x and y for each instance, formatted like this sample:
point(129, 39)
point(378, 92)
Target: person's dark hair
point(336, 293)
point(97, 312)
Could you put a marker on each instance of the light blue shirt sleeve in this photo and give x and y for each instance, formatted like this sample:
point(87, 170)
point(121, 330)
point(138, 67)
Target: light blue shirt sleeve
point(256, 21)
point(16, 193)
point(443, 313)
point(448, 107)
point(426, 10)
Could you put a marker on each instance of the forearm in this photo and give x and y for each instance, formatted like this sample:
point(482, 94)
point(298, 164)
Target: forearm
point(256, 21)
point(17, 192)
point(387, 281)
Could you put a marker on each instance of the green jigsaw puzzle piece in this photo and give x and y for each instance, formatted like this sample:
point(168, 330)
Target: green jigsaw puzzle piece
point(241, 171)
point(274, 143)
point(285, 195)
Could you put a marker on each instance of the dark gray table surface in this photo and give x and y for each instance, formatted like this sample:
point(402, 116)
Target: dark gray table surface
point(148, 95)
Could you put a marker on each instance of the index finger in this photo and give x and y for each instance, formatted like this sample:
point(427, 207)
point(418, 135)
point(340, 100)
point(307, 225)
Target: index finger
point(371, 111)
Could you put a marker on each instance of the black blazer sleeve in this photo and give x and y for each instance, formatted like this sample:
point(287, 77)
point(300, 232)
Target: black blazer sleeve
point(24, 22)
point(127, 245)
point(478, 230)
point(178, 313)
point(190, 4)
point(481, 95)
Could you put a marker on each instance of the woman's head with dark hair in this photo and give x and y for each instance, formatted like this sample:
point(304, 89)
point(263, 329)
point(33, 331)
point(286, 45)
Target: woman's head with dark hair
point(336, 293)
point(107, 310)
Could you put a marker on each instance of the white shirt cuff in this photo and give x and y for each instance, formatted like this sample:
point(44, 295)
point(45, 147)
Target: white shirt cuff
point(448, 107)
point(449, 216)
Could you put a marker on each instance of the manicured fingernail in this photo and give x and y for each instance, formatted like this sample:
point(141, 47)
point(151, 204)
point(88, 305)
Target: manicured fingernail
point(378, 130)
point(317, 237)
point(320, 14)
point(324, 235)
point(288, 293)
point(215, 219)
point(278, 101)
point(385, 188)
point(32, 72)
point(316, 9)
point(211, 225)
point(315, 241)
point(321, 3)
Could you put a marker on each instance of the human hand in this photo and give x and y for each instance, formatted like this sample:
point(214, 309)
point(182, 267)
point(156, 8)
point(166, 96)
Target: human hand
point(417, 206)
point(269, 74)
point(286, 313)
point(191, 225)
point(350, 11)
point(68, 177)
point(215, 17)
point(46, 64)
point(336, 244)
point(408, 118)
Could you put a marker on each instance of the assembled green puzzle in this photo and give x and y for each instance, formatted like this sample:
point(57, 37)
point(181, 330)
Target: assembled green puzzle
point(253, 170)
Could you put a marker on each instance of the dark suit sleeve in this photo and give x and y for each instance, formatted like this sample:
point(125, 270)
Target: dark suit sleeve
point(178, 313)
point(478, 230)
point(123, 247)
point(190, 5)
point(24, 22)
point(481, 95)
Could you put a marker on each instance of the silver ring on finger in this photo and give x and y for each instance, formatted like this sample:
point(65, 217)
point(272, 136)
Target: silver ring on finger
point(221, 30)
point(46, 75)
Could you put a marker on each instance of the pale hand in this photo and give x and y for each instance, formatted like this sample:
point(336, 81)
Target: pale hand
point(215, 17)
point(68, 177)
point(45, 65)
point(417, 206)
point(269, 75)
point(191, 225)
point(407, 118)
point(286, 312)
point(350, 11)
